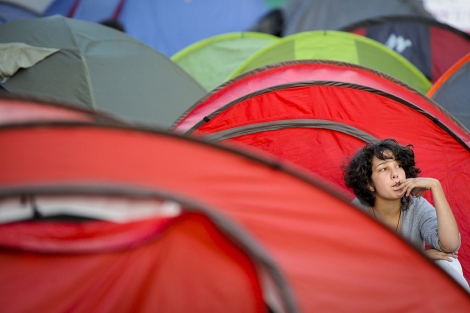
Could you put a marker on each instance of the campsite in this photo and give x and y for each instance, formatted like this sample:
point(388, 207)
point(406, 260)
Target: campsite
point(197, 163)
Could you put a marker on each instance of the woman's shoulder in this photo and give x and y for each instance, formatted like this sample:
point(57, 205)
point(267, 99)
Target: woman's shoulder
point(360, 204)
point(420, 202)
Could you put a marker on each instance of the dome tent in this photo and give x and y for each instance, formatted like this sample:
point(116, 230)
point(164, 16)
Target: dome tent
point(17, 109)
point(318, 124)
point(167, 26)
point(135, 241)
point(423, 41)
point(113, 72)
point(451, 91)
point(89, 226)
point(11, 11)
point(211, 60)
point(257, 193)
point(295, 16)
point(337, 46)
point(302, 70)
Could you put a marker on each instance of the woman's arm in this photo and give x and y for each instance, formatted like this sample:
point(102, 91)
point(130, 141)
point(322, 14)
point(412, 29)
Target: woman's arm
point(448, 231)
point(434, 254)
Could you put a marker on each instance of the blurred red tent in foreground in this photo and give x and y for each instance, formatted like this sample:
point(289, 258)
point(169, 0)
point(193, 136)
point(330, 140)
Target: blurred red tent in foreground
point(309, 70)
point(128, 253)
point(318, 125)
point(16, 109)
point(452, 93)
point(320, 242)
point(117, 238)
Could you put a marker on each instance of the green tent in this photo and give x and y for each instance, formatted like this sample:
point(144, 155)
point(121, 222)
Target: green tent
point(211, 60)
point(95, 66)
point(338, 46)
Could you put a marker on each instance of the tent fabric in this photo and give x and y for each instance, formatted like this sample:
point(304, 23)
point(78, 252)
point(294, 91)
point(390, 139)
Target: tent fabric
point(451, 91)
point(448, 74)
point(137, 265)
point(302, 70)
point(10, 11)
point(168, 26)
point(337, 46)
point(439, 152)
point(83, 10)
point(38, 6)
point(282, 124)
point(275, 3)
point(423, 41)
point(110, 69)
point(18, 55)
point(211, 60)
point(311, 219)
point(15, 109)
point(306, 15)
point(76, 204)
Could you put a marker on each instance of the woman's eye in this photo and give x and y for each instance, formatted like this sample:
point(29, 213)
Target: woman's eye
point(382, 170)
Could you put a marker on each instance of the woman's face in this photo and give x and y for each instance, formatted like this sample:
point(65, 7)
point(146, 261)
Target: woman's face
point(387, 174)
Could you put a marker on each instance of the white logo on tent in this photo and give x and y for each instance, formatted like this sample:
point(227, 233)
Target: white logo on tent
point(398, 43)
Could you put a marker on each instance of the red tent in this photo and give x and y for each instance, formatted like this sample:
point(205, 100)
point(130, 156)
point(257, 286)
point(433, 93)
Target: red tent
point(319, 241)
point(317, 125)
point(132, 229)
point(302, 70)
point(128, 246)
point(16, 109)
point(106, 263)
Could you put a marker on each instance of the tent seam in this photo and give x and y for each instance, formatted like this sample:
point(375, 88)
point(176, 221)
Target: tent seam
point(85, 65)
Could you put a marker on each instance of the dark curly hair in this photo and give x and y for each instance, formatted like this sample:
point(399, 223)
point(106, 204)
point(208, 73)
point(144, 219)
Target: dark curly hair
point(358, 173)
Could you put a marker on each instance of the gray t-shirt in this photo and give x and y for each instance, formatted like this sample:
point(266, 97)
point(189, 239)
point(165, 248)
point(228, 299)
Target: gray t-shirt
point(419, 222)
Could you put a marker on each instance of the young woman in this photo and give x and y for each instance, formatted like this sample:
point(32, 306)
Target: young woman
point(384, 178)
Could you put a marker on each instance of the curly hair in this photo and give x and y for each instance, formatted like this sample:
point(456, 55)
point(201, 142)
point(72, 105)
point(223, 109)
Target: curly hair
point(358, 173)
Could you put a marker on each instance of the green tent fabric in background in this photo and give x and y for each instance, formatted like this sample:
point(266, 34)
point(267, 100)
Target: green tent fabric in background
point(337, 46)
point(101, 68)
point(210, 61)
point(275, 3)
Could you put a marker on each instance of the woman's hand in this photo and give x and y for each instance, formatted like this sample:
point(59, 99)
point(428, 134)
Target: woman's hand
point(434, 254)
point(416, 186)
point(449, 239)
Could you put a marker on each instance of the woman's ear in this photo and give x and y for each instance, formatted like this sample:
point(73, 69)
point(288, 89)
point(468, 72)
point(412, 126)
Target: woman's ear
point(371, 188)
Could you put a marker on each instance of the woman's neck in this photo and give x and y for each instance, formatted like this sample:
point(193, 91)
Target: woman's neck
point(387, 208)
point(388, 213)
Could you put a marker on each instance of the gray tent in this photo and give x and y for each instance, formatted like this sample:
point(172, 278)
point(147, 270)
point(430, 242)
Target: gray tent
point(96, 66)
point(297, 16)
point(452, 93)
